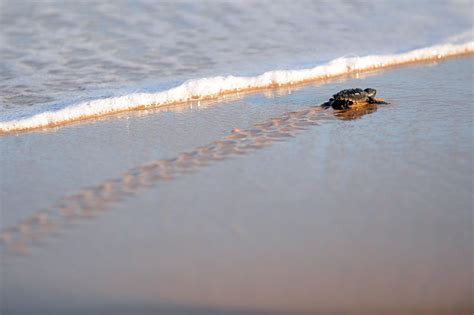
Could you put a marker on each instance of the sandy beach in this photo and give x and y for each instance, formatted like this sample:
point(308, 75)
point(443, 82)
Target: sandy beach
point(256, 203)
point(173, 157)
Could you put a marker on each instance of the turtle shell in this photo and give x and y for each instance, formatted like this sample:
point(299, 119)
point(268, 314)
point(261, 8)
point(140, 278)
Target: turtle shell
point(354, 95)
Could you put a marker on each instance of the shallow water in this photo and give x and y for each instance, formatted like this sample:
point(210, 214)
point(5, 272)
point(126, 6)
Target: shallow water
point(368, 215)
point(56, 52)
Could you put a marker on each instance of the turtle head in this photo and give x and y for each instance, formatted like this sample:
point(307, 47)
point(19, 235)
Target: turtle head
point(370, 92)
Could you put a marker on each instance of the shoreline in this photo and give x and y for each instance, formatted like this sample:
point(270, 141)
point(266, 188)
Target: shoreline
point(24, 126)
point(365, 199)
point(140, 177)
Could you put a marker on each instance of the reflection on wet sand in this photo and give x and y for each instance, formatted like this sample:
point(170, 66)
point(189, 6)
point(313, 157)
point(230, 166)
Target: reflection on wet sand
point(356, 112)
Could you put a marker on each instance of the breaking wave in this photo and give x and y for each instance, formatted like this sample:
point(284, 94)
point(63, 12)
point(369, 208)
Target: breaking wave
point(207, 88)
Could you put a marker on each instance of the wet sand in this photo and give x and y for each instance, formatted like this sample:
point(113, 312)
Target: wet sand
point(255, 203)
point(55, 118)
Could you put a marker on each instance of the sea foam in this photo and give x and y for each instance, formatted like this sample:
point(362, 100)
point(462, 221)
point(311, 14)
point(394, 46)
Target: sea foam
point(206, 88)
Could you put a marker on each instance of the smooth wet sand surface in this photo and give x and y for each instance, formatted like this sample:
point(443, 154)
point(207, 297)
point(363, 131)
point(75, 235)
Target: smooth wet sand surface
point(302, 213)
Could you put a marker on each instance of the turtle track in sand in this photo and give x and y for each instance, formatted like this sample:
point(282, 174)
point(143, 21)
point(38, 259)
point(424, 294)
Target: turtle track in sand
point(92, 201)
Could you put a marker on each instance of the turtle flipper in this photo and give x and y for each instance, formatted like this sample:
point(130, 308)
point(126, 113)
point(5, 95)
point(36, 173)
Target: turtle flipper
point(337, 104)
point(342, 104)
point(327, 104)
point(374, 100)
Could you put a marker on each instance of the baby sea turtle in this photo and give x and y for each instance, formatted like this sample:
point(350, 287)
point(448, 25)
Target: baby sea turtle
point(345, 99)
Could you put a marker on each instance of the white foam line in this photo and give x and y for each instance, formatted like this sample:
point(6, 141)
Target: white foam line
point(211, 87)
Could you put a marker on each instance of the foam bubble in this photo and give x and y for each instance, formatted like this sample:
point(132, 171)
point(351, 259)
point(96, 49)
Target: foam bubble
point(206, 88)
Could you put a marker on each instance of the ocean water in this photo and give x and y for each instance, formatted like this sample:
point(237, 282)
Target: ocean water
point(65, 55)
